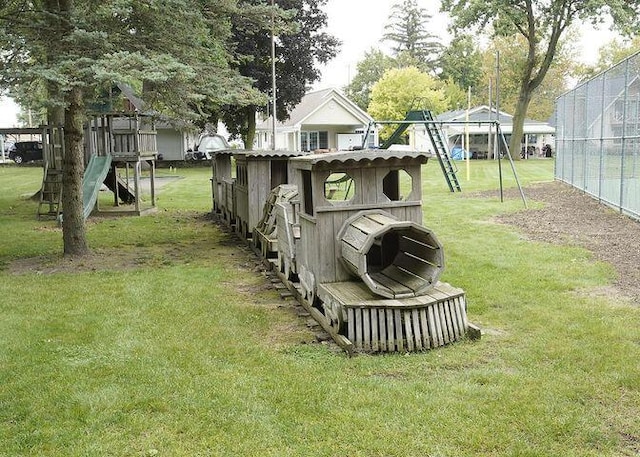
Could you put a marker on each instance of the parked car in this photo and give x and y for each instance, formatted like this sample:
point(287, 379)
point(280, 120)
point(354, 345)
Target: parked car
point(26, 151)
point(207, 144)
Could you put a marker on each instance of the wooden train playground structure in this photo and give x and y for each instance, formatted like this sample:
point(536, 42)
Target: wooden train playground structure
point(343, 232)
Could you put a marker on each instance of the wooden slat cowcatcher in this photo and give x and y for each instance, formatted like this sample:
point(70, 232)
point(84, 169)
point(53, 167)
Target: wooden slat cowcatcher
point(434, 319)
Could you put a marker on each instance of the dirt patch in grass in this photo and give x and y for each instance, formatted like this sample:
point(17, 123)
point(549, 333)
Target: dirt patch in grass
point(570, 216)
point(129, 256)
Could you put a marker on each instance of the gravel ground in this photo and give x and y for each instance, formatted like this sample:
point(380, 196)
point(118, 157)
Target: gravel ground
point(569, 216)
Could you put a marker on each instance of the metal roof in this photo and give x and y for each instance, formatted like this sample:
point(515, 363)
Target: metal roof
point(267, 153)
point(362, 156)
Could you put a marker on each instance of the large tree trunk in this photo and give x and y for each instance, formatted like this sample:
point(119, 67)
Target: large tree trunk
point(73, 228)
point(251, 127)
point(518, 123)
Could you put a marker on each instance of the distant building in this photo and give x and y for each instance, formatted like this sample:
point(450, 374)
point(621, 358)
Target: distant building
point(536, 133)
point(323, 120)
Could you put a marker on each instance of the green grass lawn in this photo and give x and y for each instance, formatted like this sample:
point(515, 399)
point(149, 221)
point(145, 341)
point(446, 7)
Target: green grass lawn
point(186, 351)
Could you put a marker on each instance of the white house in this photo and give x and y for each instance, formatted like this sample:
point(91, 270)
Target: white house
point(323, 120)
point(536, 133)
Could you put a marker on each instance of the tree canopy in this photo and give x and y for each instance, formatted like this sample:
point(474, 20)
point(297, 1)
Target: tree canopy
point(512, 60)
point(412, 46)
point(541, 23)
point(179, 48)
point(369, 70)
point(301, 44)
point(462, 62)
point(403, 89)
point(177, 51)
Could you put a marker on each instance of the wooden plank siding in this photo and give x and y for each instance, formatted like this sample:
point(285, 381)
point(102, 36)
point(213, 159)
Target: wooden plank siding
point(221, 170)
point(133, 144)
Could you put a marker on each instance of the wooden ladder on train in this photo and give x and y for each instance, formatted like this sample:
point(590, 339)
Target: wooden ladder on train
point(50, 204)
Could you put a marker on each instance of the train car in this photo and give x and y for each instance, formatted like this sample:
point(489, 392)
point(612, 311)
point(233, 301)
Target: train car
point(242, 181)
point(222, 182)
point(346, 235)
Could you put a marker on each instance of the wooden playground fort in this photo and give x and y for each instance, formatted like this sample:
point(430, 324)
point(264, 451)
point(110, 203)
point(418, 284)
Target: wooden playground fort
point(343, 231)
point(116, 147)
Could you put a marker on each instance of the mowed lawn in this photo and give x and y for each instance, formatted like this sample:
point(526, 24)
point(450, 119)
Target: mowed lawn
point(170, 342)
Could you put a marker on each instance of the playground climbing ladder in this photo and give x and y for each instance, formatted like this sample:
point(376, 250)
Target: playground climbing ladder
point(50, 204)
point(441, 147)
point(437, 140)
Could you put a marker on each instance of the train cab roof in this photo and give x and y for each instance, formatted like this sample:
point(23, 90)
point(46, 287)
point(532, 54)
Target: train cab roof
point(267, 154)
point(360, 158)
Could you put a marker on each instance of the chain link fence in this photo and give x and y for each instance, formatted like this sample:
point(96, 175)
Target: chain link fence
point(598, 137)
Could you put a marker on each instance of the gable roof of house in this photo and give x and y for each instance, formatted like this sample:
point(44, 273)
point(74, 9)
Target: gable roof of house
point(476, 114)
point(314, 101)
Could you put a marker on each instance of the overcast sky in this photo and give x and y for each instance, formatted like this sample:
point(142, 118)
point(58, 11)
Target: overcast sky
point(359, 24)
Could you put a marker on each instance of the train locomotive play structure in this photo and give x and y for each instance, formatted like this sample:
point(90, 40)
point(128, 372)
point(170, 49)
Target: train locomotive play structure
point(343, 231)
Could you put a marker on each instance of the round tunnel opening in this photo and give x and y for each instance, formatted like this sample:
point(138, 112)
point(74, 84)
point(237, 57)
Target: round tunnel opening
point(393, 258)
point(406, 261)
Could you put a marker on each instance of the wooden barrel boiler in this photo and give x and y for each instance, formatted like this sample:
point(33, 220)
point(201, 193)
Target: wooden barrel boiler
point(395, 259)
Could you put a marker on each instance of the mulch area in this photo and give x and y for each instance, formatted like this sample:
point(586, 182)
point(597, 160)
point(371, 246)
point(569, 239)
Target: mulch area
point(570, 216)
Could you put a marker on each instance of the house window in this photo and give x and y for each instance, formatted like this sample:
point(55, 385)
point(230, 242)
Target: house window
point(323, 140)
point(310, 141)
point(313, 141)
point(371, 139)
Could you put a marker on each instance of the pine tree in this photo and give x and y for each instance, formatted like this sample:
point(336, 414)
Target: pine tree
point(178, 50)
point(408, 32)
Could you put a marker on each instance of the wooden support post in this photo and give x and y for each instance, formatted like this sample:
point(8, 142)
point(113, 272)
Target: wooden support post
point(136, 184)
point(152, 183)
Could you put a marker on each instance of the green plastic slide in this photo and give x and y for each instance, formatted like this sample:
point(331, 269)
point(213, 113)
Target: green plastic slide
point(94, 176)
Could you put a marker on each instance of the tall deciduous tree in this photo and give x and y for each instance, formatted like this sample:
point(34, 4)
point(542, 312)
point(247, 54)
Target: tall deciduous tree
point(368, 71)
point(405, 89)
point(177, 49)
point(410, 37)
point(609, 54)
point(462, 62)
point(512, 62)
point(301, 44)
point(542, 23)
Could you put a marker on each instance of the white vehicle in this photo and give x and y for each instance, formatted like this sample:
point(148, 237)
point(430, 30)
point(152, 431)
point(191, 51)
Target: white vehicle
point(207, 145)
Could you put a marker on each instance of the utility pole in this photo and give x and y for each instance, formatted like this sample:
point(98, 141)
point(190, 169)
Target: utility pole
point(273, 75)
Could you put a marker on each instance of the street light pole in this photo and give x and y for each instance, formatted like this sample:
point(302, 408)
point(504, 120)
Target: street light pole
point(273, 76)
